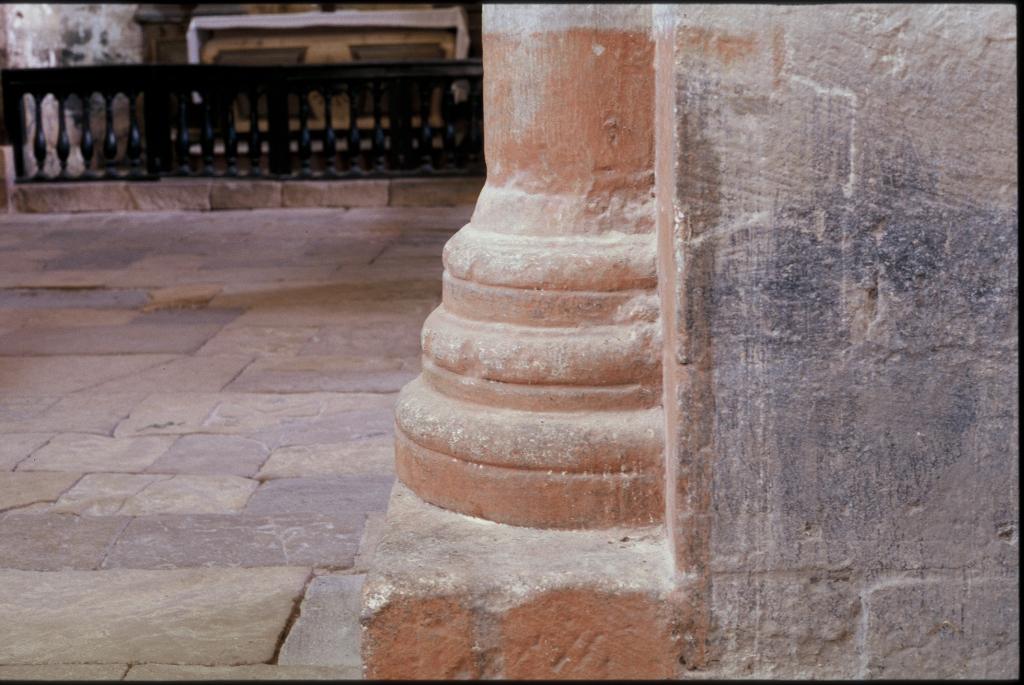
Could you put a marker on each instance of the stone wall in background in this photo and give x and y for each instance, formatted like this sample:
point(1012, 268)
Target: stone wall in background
point(52, 35)
point(839, 195)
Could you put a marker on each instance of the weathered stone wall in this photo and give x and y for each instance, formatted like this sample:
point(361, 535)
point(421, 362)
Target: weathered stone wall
point(51, 35)
point(838, 196)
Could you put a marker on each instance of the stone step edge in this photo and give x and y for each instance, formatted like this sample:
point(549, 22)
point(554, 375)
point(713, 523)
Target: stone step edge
point(216, 194)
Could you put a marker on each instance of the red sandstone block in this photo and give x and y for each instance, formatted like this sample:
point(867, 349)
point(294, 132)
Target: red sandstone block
point(420, 637)
point(450, 596)
point(580, 633)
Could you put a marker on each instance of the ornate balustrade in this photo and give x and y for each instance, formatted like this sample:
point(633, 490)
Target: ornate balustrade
point(137, 122)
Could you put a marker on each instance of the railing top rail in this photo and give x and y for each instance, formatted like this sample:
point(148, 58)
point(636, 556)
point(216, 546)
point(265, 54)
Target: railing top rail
point(140, 75)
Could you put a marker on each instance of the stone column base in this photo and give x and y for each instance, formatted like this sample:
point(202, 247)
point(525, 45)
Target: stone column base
point(454, 597)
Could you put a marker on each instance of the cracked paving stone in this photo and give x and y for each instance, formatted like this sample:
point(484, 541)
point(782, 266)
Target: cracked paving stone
point(77, 413)
point(56, 542)
point(341, 496)
point(238, 540)
point(20, 489)
point(180, 374)
point(191, 494)
point(83, 453)
point(258, 340)
point(101, 494)
point(197, 616)
point(58, 375)
point(359, 457)
point(327, 631)
point(15, 447)
point(212, 454)
point(334, 373)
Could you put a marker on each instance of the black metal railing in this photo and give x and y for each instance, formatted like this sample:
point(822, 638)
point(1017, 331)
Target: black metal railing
point(140, 122)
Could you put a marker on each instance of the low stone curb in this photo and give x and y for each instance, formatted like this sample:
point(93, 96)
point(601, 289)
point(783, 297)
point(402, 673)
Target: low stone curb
point(204, 195)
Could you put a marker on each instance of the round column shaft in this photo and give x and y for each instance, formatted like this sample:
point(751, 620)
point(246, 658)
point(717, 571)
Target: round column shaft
point(540, 402)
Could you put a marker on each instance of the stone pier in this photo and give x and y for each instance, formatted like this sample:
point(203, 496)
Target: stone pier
point(538, 413)
point(723, 379)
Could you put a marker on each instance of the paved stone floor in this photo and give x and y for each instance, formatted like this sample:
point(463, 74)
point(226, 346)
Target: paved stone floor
point(196, 434)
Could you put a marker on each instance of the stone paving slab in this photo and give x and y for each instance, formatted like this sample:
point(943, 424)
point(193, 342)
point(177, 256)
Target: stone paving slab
point(335, 373)
point(16, 447)
point(174, 373)
point(250, 672)
point(20, 489)
point(192, 616)
point(59, 375)
point(56, 542)
point(170, 315)
point(258, 340)
point(242, 413)
point(332, 428)
point(127, 339)
point(303, 539)
point(84, 453)
point(15, 408)
point(64, 317)
point(208, 454)
point(81, 413)
point(181, 374)
point(327, 631)
point(191, 494)
point(105, 494)
point(380, 340)
point(344, 311)
point(374, 456)
point(339, 496)
point(63, 672)
point(101, 494)
point(61, 298)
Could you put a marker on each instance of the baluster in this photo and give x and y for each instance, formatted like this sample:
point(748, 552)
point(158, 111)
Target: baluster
point(379, 142)
point(39, 140)
point(305, 143)
point(476, 121)
point(206, 135)
point(254, 133)
point(231, 137)
point(110, 138)
point(86, 143)
point(354, 142)
point(184, 166)
point(134, 137)
point(426, 92)
point(448, 114)
point(405, 127)
point(330, 142)
point(391, 87)
point(63, 142)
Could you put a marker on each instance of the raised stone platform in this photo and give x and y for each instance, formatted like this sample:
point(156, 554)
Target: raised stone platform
point(211, 194)
point(451, 596)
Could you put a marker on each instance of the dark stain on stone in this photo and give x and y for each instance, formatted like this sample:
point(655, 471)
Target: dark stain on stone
point(849, 424)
